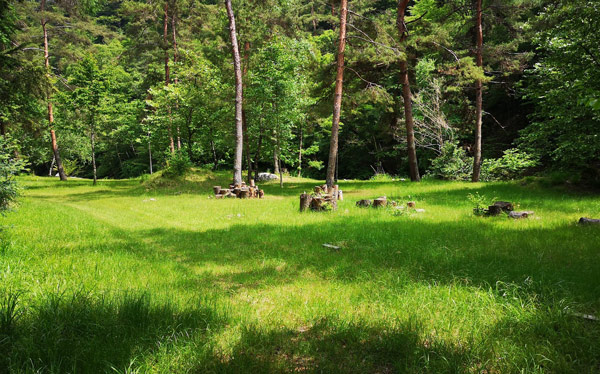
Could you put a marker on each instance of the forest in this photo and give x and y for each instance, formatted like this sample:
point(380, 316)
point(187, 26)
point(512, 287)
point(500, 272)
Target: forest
point(296, 186)
point(118, 89)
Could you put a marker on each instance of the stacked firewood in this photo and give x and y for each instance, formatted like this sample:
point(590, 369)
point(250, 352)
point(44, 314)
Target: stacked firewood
point(241, 191)
point(323, 198)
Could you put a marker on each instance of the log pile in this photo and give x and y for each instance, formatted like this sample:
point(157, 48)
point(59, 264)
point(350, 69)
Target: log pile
point(322, 198)
point(240, 191)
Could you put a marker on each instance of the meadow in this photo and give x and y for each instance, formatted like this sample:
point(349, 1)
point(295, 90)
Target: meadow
point(157, 276)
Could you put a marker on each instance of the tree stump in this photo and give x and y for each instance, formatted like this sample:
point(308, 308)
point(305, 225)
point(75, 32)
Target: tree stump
point(252, 183)
point(261, 194)
point(589, 221)
point(494, 210)
point(305, 200)
point(504, 205)
point(316, 203)
point(217, 190)
point(411, 204)
point(364, 203)
point(244, 193)
point(380, 202)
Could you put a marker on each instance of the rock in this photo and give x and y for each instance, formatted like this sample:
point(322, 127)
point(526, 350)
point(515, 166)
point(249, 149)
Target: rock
point(517, 215)
point(589, 221)
point(420, 210)
point(263, 177)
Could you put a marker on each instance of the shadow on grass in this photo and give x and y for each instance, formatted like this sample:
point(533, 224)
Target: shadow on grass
point(86, 333)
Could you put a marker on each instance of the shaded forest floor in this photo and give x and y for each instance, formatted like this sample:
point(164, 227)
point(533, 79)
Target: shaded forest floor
point(160, 277)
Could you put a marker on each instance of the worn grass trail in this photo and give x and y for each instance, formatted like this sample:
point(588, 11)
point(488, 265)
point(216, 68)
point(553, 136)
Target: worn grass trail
point(161, 278)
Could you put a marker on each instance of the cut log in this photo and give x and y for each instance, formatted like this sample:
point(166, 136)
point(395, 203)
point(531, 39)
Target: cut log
point(261, 194)
point(252, 183)
point(244, 193)
point(316, 203)
point(230, 195)
point(219, 196)
point(336, 192)
point(224, 191)
point(517, 215)
point(305, 200)
point(504, 205)
point(217, 189)
point(380, 202)
point(411, 204)
point(589, 221)
point(340, 195)
point(364, 203)
point(318, 190)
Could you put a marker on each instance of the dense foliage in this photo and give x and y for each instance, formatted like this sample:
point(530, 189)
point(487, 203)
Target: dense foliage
point(133, 81)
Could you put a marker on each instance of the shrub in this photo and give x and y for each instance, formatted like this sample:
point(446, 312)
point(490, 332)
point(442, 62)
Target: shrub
point(178, 164)
point(10, 166)
point(452, 164)
point(510, 166)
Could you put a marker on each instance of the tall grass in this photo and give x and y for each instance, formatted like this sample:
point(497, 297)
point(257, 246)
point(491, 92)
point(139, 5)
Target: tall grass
point(159, 277)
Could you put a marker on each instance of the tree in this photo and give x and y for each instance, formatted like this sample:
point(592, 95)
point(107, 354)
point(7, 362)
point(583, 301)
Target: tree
point(337, 99)
point(239, 136)
point(479, 96)
point(55, 151)
point(407, 96)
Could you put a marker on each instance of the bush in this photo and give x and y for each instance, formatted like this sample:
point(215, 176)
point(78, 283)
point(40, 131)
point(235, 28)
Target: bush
point(10, 166)
point(178, 164)
point(452, 164)
point(511, 165)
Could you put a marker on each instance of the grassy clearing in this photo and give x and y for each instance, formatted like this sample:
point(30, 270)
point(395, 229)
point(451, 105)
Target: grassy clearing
point(158, 277)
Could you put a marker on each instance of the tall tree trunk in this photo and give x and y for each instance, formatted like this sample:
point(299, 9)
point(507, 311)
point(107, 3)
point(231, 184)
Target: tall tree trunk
point(55, 151)
point(300, 154)
point(279, 162)
point(337, 100)
point(239, 136)
point(175, 58)
point(314, 19)
point(478, 99)
point(275, 158)
point(407, 96)
point(150, 152)
point(167, 78)
point(258, 148)
point(244, 123)
point(93, 145)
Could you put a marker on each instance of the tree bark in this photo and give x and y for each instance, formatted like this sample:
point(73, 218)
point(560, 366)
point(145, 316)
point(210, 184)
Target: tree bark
point(300, 154)
point(93, 145)
point(337, 100)
point(478, 99)
point(167, 77)
point(55, 151)
point(150, 152)
point(257, 154)
point(239, 136)
point(175, 58)
point(407, 96)
point(244, 122)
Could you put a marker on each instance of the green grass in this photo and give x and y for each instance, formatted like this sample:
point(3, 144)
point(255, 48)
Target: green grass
point(159, 277)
